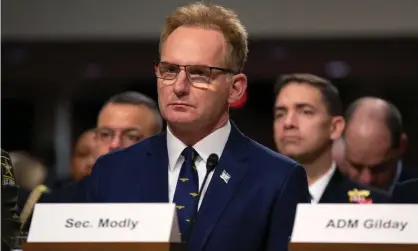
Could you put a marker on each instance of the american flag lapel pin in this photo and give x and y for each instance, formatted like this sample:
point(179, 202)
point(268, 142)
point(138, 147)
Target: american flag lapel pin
point(225, 176)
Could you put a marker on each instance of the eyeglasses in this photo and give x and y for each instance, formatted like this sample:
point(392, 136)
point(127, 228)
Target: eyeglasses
point(197, 74)
point(127, 137)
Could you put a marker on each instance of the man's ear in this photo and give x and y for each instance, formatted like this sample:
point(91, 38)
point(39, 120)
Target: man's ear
point(238, 88)
point(337, 127)
point(403, 144)
point(338, 153)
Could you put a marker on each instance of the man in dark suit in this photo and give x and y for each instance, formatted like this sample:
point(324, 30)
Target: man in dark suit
point(307, 119)
point(406, 192)
point(373, 144)
point(250, 199)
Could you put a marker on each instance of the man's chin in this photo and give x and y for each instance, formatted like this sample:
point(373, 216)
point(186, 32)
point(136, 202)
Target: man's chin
point(291, 152)
point(295, 155)
point(182, 123)
point(178, 118)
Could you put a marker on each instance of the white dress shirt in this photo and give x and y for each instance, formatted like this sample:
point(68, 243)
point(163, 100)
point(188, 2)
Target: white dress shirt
point(213, 143)
point(317, 189)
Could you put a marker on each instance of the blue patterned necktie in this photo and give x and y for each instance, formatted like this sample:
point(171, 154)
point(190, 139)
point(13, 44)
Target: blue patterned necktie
point(187, 190)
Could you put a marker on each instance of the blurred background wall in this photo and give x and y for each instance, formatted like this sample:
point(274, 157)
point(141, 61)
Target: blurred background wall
point(62, 59)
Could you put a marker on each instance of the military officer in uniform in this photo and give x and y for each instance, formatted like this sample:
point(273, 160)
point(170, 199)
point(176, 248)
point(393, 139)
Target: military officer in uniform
point(307, 120)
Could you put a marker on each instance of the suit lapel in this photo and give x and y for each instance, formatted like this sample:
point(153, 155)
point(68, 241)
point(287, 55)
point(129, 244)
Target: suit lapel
point(154, 171)
point(233, 162)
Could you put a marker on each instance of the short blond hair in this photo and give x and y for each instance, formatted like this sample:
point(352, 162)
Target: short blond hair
point(212, 16)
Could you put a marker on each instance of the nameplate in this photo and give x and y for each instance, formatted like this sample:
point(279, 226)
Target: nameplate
point(356, 223)
point(131, 222)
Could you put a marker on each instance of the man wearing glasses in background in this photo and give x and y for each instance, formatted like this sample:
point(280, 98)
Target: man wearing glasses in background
point(249, 199)
point(125, 119)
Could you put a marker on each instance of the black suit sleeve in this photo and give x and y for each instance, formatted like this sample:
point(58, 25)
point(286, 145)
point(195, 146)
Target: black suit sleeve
point(295, 190)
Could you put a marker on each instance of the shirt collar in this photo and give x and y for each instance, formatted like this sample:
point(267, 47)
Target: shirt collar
point(396, 177)
point(213, 143)
point(317, 189)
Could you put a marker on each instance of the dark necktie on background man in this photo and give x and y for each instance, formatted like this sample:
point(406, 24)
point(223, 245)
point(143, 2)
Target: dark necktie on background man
point(187, 190)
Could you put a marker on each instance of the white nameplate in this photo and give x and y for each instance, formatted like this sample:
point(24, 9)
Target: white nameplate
point(356, 223)
point(128, 222)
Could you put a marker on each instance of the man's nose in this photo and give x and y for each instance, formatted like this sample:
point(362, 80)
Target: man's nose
point(181, 84)
point(366, 176)
point(116, 143)
point(290, 120)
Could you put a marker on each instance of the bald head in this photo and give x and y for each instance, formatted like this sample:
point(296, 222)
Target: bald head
point(372, 107)
point(373, 139)
point(367, 139)
point(375, 117)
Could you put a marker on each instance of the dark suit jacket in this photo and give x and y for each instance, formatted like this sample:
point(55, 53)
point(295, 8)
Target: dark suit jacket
point(254, 211)
point(339, 186)
point(406, 192)
point(407, 174)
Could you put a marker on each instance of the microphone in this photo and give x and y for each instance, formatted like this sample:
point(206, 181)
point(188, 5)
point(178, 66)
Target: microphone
point(211, 163)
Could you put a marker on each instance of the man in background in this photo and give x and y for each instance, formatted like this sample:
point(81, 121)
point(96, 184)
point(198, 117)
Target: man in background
point(307, 120)
point(125, 119)
point(373, 144)
point(84, 155)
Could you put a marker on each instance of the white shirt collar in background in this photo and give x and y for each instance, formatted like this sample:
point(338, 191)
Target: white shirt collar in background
point(317, 189)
